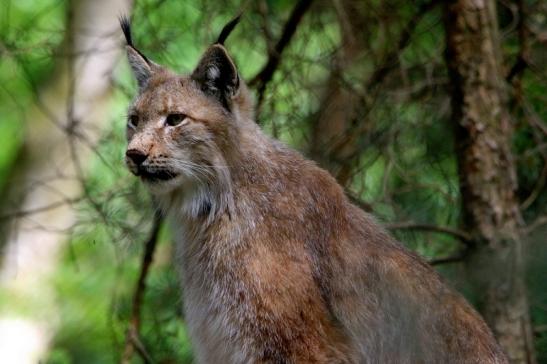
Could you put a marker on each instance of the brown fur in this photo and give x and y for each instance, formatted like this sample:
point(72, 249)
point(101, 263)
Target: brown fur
point(277, 265)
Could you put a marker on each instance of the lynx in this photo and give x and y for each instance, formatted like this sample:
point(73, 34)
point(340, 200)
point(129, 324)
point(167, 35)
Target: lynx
point(277, 266)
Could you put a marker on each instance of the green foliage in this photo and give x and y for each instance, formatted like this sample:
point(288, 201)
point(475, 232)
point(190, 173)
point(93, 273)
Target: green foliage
point(406, 169)
point(30, 33)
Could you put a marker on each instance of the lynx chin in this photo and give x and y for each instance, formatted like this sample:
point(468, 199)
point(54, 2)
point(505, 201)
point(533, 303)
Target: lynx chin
point(277, 266)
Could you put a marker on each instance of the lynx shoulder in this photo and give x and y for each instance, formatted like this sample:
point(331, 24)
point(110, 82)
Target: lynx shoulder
point(277, 266)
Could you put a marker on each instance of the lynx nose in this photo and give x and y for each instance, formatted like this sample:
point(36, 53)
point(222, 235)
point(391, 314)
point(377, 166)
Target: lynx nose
point(136, 156)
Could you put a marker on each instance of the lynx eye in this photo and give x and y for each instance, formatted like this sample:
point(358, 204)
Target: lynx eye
point(133, 121)
point(174, 119)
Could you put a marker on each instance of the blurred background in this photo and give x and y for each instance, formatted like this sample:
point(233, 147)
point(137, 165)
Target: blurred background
point(432, 114)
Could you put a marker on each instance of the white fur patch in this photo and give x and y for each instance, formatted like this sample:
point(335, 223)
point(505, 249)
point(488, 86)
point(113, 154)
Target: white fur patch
point(213, 72)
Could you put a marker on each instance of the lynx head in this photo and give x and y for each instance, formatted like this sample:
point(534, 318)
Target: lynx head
point(181, 128)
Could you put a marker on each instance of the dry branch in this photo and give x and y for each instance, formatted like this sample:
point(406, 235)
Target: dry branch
point(536, 224)
point(342, 135)
point(263, 77)
point(456, 233)
point(456, 258)
point(391, 59)
point(132, 339)
point(523, 57)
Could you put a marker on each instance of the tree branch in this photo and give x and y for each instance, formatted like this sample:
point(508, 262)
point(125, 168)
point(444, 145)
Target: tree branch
point(539, 222)
point(344, 145)
point(391, 59)
point(464, 237)
point(523, 57)
point(263, 77)
point(456, 258)
point(358, 202)
point(459, 234)
point(132, 339)
point(52, 206)
point(540, 184)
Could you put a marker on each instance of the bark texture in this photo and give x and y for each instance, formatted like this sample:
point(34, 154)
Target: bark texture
point(487, 173)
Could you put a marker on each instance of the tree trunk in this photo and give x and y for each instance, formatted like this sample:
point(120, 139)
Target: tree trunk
point(342, 120)
point(332, 146)
point(65, 121)
point(487, 173)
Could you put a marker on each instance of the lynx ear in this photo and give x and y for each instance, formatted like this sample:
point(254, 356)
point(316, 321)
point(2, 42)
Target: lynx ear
point(217, 75)
point(141, 66)
point(142, 70)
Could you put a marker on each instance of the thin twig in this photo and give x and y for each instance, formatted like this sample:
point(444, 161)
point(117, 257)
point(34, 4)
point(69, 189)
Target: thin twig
point(391, 59)
point(132, 339)
point(459, 234)
point(52, 206)
point(523, 58)
point(539, 186)
point(360, 127)
point(456, 258)
point(263, 77)
point(539, 222)
point(359, 202)
point(262, 8)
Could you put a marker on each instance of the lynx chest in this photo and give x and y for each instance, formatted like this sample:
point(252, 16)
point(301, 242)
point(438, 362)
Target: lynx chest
point(215, 302)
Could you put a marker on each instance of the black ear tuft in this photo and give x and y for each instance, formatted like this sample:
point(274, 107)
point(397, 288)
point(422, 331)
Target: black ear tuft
point(217, 75)
point(125, 24)
point(228, 29)
point(141, 66)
